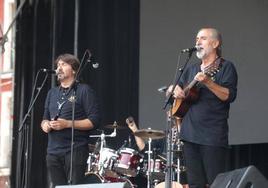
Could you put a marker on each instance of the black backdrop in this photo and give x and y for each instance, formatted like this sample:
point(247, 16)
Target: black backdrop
point(45, 29)
point(110, 30)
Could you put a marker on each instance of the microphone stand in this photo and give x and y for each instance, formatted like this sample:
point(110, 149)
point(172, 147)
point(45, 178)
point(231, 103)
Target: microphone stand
point(24, 141)
point(73, 97)
point(169, 101)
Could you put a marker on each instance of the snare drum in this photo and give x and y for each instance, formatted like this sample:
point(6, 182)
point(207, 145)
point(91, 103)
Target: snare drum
point(128, 162)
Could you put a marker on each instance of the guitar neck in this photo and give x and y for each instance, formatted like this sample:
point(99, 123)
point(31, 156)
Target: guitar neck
point(192, 84)
point(210, 71)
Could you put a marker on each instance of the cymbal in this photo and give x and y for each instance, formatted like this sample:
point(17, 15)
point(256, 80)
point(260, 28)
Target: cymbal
point(149, 133)
point(112, 126)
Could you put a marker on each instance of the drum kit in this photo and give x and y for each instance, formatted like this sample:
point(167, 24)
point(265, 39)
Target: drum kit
point(106, 165)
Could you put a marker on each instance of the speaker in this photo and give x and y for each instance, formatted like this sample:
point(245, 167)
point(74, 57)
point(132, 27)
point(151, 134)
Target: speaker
point(96, 185)
point(248, 177)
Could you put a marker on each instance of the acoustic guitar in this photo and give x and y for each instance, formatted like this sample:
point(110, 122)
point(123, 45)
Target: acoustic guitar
point(181, 106)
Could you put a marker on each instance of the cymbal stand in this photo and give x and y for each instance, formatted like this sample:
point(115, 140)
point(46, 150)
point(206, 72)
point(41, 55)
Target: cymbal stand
point(149, 162)
point(176, 142)
point(178, 170)
point(103, 143)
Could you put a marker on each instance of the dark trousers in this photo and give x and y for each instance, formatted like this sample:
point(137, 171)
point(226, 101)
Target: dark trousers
point(59, 166)
point(203, 163)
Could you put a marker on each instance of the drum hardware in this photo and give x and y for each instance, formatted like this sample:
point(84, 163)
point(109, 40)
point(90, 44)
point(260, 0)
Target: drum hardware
point(182, 168)
point(178, 170)
point(149, 134)
point(92, 162)
point(104, 154)
point(109, 163)
point(157, 169)
point(149, 165)
point(112, 166)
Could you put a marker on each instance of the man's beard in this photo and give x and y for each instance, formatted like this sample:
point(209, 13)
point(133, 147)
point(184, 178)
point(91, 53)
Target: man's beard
point(60, 77)
point(201, 54)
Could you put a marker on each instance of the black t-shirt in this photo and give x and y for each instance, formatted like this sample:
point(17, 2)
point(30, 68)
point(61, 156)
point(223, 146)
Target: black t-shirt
point(58, 103)
point(206, 121)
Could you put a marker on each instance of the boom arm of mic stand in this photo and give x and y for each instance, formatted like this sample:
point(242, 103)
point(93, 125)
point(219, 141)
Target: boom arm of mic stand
point(32, 104)
point(4, 37)
point(169, 99)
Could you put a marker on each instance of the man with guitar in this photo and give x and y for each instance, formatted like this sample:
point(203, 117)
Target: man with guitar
point(204, 129)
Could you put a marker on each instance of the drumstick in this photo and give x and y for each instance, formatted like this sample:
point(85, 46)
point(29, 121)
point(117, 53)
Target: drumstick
point(162, 157)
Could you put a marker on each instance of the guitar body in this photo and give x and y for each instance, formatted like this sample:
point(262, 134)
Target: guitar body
point(181, 106)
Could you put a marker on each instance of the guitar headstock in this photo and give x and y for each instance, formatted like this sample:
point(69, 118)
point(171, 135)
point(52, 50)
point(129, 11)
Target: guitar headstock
point(212, 69)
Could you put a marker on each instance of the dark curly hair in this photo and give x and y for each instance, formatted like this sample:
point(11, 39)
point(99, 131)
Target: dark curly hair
point(70, 59)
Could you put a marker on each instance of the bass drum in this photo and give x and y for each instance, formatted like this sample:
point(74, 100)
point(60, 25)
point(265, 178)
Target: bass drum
point(174, 185)
point(91, 178)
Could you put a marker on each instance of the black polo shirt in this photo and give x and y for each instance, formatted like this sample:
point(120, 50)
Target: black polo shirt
point(59, 103)
point(206, 121)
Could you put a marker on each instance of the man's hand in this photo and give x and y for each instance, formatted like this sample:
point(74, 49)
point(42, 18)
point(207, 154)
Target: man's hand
point(60, 124)
point(45, 125)
point(131, 124)
point(201, 77)
point(177, 93)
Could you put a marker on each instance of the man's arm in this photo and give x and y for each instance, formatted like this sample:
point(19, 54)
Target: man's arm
point(133, 127)
point(221, 92)
point(60, 124)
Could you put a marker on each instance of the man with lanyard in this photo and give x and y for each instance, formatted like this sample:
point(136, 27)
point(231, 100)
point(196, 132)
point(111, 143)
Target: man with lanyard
point(57, 123)
point(204, 128)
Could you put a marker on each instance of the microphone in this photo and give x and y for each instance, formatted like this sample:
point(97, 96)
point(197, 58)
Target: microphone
point(190, 50)
point(94, 64)
point(162, 89)
point(48, 71)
